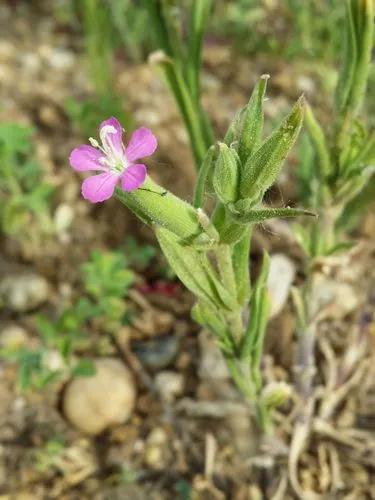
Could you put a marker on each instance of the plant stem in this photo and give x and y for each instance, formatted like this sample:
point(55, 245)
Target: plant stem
point(225, 264)
point(263, 416)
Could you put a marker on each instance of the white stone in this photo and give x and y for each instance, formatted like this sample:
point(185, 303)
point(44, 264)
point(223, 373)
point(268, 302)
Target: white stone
point(331, 298)
point(63, 217)
point(169, 384)
point(280, 279)
point(53, 360)
point(23, 292)
point(212, 363)
point(94, 403)
point(155, 449)
point(13, 336)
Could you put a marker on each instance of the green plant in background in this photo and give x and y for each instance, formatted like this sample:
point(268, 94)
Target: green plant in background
point(303, 29)
point(100, 44)
point(106, 281)
point(48, 455)
point(316, 28)
point(98, 41)
point(337, 181)
point(139, 255)
point(130, 21)
point(180, 63)
point(85, 114)
point(24, 197)
point(337, 164)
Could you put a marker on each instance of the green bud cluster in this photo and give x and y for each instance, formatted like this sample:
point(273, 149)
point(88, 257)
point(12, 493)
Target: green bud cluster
point(246, 166)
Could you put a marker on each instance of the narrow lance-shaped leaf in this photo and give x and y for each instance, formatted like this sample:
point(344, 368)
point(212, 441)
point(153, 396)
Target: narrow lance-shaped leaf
point(258, 313)
point(363, 11)
point(203, 176)
point(188, 109)
point(348, 65)
point(187, 264)
point(234, 130)
point(263, 167)
point(256, 216)
point(221, 291)
point(317, 137)
point(241, 266)
point(253, 118)
point(157, 21)
point(226, 174)
point(211, 318)
point(200, 11)
point(173, 28)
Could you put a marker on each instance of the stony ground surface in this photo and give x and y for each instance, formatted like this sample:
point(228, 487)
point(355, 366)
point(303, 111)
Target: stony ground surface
point(189, 435)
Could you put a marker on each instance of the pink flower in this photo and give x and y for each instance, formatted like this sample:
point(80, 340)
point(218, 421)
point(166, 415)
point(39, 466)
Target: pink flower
point(116, 162)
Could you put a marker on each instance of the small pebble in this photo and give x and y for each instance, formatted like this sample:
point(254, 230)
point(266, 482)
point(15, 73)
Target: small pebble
point(156, 449)
point(212, 364)
point(157, 353)
point(63, 217)
point(337, 298)
point(23, 292)
point(94, 403)
point(169, 384)
point(13, 336)
point(280, 279)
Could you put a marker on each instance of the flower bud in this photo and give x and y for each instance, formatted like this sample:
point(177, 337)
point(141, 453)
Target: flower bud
point(275, 394)
point(263, 167)
point(226, 175)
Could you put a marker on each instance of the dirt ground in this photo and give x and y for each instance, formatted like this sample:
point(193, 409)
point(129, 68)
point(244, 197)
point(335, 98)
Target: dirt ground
point(201, 443)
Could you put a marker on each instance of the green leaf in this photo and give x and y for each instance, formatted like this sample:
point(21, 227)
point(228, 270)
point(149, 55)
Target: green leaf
point(241, 266)
point(252, 120)
point(15, 138)
point(349, 60)
point(343, 246)
point(203, 175)
point(263, 167)
point(259, 309)
point(84, 368)
point(14, 217)
point(106, 275)
point(199, 15)
point(303, 237)
point(257, 216)
point(357, 206)
point(189, 108)
point(357, 56)
point(209, 317)
point(317, 137)
point(226, 174)
point(233, 133)
point(187, 264)
point(364, 25)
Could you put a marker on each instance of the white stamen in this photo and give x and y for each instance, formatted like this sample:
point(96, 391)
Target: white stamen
point(107, 143)
point(114, 159)
point(94, 142)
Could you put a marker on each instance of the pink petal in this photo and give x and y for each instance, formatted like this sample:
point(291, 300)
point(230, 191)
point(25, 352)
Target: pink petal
point(133, 177)
point(142, 143)
point(99, 187)
point(86, 158)
point(116, 137)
